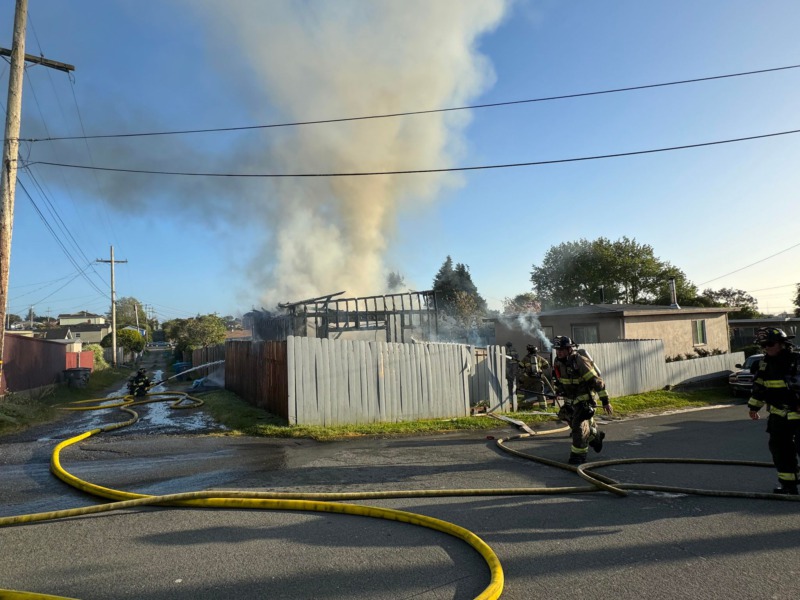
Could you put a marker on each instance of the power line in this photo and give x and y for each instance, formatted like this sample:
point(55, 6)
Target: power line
point(418, 112)
point(772, 288)
point(750, 265)
point(416, 171)
point(57, 239)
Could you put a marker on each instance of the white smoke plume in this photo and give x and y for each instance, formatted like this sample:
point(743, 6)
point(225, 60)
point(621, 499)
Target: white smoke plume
point(529, 324)
point(343, 58)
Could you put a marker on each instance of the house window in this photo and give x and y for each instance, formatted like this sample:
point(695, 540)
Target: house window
point(77, 335)
point(699, 332)
point(548, 332)
point(585, 334)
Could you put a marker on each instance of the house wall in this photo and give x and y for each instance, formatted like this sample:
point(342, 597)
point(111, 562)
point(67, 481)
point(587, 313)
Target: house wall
point(676, 331)
point(91, 337)
point(66, 321)
point(743, 331)
point(609, 329)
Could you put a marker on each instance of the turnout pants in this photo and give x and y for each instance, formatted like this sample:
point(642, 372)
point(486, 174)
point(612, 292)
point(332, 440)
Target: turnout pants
point(583, 428)
point(784, 445)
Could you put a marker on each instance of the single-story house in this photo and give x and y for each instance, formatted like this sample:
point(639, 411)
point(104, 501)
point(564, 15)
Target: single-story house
point(743, 331)
point(683, 329)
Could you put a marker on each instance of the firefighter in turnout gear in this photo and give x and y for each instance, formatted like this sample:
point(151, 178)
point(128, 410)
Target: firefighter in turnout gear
point(578, 381)
point(776, 385)
point(532, 369)
point(139, 383)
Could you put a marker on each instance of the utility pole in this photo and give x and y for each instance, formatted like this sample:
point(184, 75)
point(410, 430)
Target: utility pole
point(8, 169)
point(113, 307)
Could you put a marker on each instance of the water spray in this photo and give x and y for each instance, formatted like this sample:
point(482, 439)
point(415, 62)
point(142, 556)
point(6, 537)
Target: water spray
point(211, 364)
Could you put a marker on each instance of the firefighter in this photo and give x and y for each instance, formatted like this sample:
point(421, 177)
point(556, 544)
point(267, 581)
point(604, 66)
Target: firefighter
point(532, 369)
point(577, 381)
point(775, 385)
point(139, 383)
point(512, 368)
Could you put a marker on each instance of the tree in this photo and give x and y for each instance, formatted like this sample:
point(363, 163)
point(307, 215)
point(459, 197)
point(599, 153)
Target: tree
point(13, 319)
point(447, 284)
point(747, 304)
point(130, 313)
point(196, 332)
point(602, 271)
point(797, 301)
point(526, 302)
point(130, 340)
point(466, 309)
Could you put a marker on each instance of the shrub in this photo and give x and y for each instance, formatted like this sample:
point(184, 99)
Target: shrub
point(99, 360)
point(702, 352)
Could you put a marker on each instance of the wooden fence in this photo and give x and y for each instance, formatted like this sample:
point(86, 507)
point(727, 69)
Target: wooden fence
point(205, 355)
point(317, 381)
point(257, 372)
point(335, 382)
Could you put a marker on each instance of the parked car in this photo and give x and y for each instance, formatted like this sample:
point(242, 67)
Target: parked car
point(741, 381)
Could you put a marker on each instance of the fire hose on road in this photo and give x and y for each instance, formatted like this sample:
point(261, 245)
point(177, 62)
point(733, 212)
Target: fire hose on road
point(332, 502)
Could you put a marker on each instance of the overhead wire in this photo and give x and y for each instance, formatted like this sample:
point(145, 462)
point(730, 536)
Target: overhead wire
point(424, 112)
point(63, 227)
point(421, 171)
point(751, 264)
point(57, 97)
point(56, 237)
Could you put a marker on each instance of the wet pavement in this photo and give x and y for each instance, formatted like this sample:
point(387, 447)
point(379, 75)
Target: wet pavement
point(653, 545)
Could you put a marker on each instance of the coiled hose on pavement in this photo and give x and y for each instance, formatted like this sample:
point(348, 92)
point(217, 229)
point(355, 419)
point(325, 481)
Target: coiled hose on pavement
point(330, 502)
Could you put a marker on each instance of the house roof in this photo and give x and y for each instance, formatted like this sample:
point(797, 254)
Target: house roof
point(763, 322)
point(628, 310)
point(81, 315)
point(57, 333)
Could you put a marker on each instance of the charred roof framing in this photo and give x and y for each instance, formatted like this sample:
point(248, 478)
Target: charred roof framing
point(396, 314)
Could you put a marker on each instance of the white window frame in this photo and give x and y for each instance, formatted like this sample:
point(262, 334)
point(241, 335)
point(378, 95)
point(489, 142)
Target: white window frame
point(699, 335)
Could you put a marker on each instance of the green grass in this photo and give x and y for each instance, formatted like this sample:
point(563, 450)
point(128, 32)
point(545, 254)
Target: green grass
point(244, 419)
point(20, 411)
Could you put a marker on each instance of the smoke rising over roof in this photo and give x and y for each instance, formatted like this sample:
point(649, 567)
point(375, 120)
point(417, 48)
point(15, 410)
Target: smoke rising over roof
point(351, 58)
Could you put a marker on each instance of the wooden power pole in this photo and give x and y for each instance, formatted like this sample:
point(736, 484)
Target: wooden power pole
point(8, 170)
point(113, 306)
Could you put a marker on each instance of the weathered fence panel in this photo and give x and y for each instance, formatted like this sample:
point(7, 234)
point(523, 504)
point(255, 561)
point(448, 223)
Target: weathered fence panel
point(205, 355)
point(630, 366)
point(257, 372)
point(699, 369)
point(332, 382)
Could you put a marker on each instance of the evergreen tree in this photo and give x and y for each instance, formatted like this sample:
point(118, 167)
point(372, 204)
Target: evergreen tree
point(451, 284)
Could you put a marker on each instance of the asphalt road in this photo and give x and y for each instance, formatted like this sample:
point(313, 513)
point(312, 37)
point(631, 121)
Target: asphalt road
point(595, 545)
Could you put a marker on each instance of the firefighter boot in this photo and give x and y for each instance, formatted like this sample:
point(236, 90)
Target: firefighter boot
point(597, 442)
point(576, 459)
point(786, 488)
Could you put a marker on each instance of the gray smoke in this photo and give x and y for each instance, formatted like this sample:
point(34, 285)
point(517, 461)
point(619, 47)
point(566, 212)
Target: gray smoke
point(294, 60)
point(350, 58)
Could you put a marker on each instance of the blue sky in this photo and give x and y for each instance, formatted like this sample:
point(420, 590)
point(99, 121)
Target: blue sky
point(225, 244)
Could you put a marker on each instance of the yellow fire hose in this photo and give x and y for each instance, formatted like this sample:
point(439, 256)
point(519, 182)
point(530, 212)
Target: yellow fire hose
point(327, 502)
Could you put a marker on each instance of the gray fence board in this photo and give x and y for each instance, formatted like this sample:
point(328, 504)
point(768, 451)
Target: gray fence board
point(348, 381)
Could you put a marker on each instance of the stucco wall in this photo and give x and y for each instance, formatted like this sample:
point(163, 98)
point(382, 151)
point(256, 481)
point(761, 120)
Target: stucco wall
point(676, 331)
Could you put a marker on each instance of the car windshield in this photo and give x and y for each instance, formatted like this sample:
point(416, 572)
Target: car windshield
point(751, 360)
